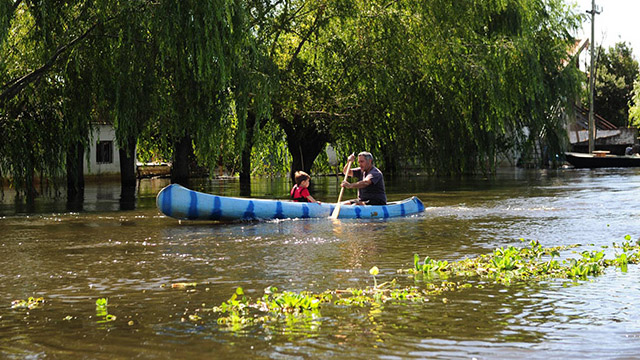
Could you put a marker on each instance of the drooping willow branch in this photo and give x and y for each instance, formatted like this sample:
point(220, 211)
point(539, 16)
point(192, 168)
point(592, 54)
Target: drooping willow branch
point(14, 86)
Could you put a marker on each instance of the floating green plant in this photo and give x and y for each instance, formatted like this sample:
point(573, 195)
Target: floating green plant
point(532, 262)
point(374, 271)
point(274, 305)
point(30, 303)
point(429, 266)
point(504, 265)
point(102, 312)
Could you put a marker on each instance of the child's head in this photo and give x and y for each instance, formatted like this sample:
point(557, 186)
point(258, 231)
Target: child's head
point(301, 177)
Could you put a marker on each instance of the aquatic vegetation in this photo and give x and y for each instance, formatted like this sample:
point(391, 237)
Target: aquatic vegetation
point(530, 263)
point(374, 271)
point(621, 261)
point(287, 310)
point(102, 312)
point(429, 266)
point(502, 265)
point(289, 302)
point(101, 304)
point(30, 303)
point(272, 307)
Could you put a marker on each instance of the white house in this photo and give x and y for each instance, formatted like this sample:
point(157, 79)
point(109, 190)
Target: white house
point(103, 157)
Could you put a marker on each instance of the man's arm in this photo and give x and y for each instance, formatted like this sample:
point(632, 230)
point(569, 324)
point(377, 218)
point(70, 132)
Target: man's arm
point(351, 158)
point(358, 185)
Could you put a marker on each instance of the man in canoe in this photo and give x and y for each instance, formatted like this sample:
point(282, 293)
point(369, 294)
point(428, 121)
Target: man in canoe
point(370, 183)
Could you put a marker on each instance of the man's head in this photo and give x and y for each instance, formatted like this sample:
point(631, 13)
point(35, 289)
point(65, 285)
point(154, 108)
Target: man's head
point(365, 160)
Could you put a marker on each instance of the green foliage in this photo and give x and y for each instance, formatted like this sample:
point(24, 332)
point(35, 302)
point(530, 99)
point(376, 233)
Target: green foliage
point(450, 81)
point(616, 72)
point(270, 155)
point(429, 266)
point(634, 109)
point(532, 262)
point(272, 308)
point(102, 312)
point(287, 312)
point(441, 85)
point(6, 13)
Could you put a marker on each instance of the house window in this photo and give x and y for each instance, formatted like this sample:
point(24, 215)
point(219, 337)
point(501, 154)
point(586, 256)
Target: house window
point(104, 152)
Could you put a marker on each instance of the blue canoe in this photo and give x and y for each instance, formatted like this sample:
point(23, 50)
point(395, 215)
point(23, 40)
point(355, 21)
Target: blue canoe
point(181, 203)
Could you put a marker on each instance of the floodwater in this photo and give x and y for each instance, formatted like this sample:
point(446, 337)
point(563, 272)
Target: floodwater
point(121, 248)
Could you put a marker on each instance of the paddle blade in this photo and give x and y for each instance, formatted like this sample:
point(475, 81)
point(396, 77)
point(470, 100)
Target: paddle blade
point(336, 212)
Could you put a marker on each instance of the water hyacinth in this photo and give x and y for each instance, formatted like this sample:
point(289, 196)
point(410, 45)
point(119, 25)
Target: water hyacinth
point(102, 312)
point(503, 266)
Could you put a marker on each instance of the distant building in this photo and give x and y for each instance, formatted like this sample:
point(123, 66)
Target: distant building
point(104, 155)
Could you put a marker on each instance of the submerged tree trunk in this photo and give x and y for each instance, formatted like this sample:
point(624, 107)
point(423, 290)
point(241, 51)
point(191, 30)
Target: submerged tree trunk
point(75, 171)
point(245, 166)
point(128, 197)
point(182, 154)
point(128, 176)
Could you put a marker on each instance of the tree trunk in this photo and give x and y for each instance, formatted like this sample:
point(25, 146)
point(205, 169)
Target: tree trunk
point(75, 171)
point(245, 166)
point(305, 143)
point(128, 176)
point(128, 198)
point(390, 160)
point(30, 189)
point(181, 158)
point(304, 153)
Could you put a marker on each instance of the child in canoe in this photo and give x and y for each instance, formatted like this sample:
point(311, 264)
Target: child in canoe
point(300, 191)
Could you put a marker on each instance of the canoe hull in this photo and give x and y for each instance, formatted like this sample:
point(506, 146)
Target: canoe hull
point(580, 160)
point(181, 203)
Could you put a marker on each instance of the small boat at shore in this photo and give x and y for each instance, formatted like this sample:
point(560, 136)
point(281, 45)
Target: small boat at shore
point(601, 159)
point(181, 203)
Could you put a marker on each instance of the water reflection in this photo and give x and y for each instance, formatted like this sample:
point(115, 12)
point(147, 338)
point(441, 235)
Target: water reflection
point(75, 201)
point(127, 198)
point(245, 188)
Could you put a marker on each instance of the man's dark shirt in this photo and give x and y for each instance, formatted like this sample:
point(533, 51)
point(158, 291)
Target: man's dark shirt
point(374, 193)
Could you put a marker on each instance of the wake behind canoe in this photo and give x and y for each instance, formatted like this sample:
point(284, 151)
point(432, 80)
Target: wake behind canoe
point(181, 203)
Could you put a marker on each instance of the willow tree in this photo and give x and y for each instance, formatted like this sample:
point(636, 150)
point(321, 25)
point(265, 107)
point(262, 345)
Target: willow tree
point(303, 103)
point(447, 84)
point(36, 42)
point(66, 66)
point(452, 84)
point(197, 42)
point(126, 60)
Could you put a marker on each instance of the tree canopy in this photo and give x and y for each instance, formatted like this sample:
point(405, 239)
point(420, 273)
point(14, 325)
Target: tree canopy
point(444, 86)
point(616, 72)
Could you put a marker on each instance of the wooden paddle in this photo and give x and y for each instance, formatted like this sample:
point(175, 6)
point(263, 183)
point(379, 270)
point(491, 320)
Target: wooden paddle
point(336, 211)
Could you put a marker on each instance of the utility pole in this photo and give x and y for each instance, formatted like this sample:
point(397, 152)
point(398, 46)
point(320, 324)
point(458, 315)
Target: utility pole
point(592, 80)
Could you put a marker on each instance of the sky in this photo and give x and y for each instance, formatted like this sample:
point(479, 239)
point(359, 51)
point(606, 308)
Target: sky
point(618, 21)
